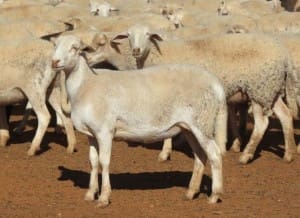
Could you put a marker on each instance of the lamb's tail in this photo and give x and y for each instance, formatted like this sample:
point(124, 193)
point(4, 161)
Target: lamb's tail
point(292, 88)
point(221, 127)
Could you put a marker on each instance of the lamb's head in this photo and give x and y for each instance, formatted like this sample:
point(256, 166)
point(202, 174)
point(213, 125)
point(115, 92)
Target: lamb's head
point(140, 39)
point(66, 53)
point(100, 49)
point(102, 9)
point(173, 13)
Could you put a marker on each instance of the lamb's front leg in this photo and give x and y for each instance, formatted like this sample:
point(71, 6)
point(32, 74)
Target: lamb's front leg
point(94, 161)
point(199, 165)
point(166, 150)
point(261, 122)
point(105, 143)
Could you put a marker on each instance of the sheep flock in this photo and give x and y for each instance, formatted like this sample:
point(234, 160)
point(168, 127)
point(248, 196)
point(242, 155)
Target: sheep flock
point(194, 73)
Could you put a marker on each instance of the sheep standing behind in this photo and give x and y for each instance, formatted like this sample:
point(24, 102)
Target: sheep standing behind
point(27, 74)
point(254, 65)
point(123, 105)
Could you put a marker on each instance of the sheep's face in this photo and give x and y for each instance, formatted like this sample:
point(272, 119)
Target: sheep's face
point(103, 9)
point(66, 53)
point(140, 38)
point(99, 51)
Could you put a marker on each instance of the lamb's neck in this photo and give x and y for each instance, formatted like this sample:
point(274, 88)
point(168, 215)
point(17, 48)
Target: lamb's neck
point(151, 57)
point(123, 58)
point(76, 77)
point(119, 61)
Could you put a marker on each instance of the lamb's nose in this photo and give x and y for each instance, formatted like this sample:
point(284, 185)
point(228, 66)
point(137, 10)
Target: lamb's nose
point(136, 51)
point(54, 63)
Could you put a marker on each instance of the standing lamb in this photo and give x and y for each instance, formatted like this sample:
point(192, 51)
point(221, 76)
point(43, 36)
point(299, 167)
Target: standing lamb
point(124, 105)
point(252, 65)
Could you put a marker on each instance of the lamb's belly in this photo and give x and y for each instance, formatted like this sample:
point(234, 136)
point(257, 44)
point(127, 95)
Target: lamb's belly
point(11, 96)
point(79, 126)
point(146, 136)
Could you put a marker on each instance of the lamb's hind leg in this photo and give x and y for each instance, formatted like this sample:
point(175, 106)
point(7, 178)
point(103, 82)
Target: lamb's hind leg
point(4, 132)
point(214, 156)
point(166, 150)
point(37, 100)
point(199, 165)
point(67, 122)
point(94, 161)
point(104, 139)
point(261, 123)
point(286, 120)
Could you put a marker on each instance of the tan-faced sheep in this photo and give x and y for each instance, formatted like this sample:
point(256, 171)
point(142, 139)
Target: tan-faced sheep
point(108, 105)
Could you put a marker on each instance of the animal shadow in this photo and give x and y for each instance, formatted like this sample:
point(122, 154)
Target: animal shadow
point(137, 181)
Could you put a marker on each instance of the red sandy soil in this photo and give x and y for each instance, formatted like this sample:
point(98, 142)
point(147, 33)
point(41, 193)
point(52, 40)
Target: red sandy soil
point(53, 183)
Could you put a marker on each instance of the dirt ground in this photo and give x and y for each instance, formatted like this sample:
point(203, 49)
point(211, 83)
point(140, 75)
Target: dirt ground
point(53, 183)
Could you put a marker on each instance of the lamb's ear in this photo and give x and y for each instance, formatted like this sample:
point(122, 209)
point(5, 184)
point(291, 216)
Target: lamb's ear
point(119, 36)
point(53, 39)
point(114, 9)
point(100, 40)
point(156, 36)
point(85, 47)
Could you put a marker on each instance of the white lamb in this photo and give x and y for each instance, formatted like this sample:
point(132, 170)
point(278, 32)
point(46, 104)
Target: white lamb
point(241, 61)
point(143, 106)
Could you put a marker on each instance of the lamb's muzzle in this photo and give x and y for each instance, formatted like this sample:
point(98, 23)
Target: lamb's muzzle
point(55, 63)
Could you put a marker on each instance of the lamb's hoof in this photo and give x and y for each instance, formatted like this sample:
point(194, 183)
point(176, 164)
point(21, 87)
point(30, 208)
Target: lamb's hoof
point(31, 152)
point(89, 196)
point(3, 143)
point(102, 203)
point(236, 146)
point(245, 158)
point(70, 150)
point(163, 157)
point(298, 149)
point(214, 198)
point(189, 195)
point(288, 157)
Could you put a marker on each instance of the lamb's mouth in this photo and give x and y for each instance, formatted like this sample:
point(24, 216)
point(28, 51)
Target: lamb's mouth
point(58, 68)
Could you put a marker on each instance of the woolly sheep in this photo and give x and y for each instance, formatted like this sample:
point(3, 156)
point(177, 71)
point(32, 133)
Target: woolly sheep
point(280, 22)
point(36, 28)
point(27, 74)
point(127, 115)
point(250, 8)
point(212, 25)
point(119, 23)
point(261, 76)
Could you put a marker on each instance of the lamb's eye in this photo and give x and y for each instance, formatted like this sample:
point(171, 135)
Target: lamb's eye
point(73, 48)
